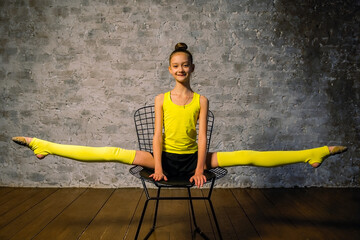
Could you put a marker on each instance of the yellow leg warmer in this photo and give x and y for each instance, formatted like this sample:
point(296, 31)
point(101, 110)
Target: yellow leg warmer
point(272, 158)
point(82, 153)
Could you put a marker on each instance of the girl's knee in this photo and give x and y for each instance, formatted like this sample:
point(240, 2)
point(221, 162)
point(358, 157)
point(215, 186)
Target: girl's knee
point(211, 160)
point(144, 159)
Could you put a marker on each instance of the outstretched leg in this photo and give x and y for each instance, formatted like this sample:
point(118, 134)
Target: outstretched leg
point(313, 156)
point(43, 148)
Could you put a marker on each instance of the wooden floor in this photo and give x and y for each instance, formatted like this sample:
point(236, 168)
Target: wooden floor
point(315, 213)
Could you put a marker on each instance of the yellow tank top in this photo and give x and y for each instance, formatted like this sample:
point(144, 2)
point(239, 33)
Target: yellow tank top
point(180, 125)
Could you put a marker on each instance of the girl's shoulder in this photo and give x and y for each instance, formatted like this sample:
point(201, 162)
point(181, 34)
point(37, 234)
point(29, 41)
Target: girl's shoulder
point(161, 95)
point(203, 100)
point(159, 99)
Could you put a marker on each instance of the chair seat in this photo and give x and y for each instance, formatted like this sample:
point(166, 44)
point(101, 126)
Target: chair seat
point(178, 181)
point(144, 173)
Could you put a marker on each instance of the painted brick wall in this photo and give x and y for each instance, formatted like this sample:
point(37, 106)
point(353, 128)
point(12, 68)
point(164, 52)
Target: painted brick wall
point(280, 75)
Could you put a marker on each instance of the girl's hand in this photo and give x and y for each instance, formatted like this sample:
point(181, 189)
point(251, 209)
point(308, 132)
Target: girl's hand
point(199, 179)
point(158, 176)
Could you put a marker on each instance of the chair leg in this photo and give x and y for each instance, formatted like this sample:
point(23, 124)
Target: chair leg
point(214, 216)
point(156, 207)
point(192, 208)
point(197, 229)
point(148, 198)
point(144, 211)
point(141, 219)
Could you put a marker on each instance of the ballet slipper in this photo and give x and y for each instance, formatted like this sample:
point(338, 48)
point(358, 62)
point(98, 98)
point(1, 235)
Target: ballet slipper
point(332, 151)
point(25, 141)
point(337, 150)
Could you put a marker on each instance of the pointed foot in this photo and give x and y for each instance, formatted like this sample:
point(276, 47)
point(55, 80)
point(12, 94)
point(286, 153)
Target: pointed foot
point(25, 141)
point(337, 149)
point(333, 151)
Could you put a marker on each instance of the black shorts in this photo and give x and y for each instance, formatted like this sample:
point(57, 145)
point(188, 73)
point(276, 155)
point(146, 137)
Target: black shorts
point(179, 164)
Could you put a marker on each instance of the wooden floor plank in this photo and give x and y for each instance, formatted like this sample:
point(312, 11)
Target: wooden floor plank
point(294, 212)
point(248, 214)
point(341, 205)
point(312, 211)
point(71, 223)
point(114, 218)
point(233, 222)
point(264, 225)
point(203, 214)
point(24, 206)
point(274, 216)
point(168, 217)
point(147, 222)
point(316, 214)
point(14, 198)
point(331, 215)
point(37, 218)
point(173, 220)
point(4, 191)
point(173, 216)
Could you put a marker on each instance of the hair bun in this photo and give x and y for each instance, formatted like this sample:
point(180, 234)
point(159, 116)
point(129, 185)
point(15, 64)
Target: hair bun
point(181, 46)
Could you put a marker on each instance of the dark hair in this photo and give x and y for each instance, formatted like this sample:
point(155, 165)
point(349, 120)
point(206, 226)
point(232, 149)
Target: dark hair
point(181, 47)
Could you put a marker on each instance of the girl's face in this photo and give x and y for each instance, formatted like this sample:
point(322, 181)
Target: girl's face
point(181, 67)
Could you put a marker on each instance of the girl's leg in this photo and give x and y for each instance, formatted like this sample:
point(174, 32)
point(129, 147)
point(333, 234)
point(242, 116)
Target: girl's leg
point(43, 148)
point(272, 158)
point(144, 159)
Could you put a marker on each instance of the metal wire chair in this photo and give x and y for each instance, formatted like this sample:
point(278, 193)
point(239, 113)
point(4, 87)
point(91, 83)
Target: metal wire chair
point(145, 125)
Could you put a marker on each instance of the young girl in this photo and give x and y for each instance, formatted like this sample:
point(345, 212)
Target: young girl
point(175, 150)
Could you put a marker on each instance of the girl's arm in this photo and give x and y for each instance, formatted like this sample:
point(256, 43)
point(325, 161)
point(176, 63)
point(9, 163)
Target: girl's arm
point(158, 175)
point(199, 176)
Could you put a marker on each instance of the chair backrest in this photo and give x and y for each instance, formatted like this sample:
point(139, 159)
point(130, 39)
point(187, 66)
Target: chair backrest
point(145, 125)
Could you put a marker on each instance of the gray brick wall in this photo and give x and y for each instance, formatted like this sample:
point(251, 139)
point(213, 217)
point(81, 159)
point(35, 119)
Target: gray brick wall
point(280, 75)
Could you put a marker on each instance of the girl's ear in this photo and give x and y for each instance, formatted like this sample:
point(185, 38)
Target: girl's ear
point(192, 67)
